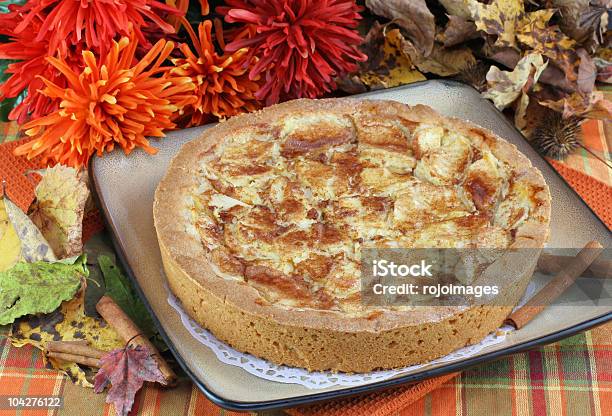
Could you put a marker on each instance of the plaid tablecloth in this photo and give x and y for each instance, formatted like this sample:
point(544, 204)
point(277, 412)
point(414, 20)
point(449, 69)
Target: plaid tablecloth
point(571, 377)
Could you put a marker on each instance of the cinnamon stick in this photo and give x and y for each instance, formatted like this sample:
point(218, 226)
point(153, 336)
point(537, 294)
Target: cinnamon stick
point(79, 359)
point(551, 264)
point(120, 322)
point(75, 348)
point(563, 280)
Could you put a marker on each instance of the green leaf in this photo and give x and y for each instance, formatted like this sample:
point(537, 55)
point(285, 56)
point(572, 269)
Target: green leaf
point(30, 288)
point(97, 245)
point(119, 289)
point(7, 104)
point(4, 5)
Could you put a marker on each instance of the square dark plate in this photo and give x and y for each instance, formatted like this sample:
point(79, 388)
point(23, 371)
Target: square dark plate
point(125, 187)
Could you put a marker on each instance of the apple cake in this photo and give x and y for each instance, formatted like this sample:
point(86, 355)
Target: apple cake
point(261, 222)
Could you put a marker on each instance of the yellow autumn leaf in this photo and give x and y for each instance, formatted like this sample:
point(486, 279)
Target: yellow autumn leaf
point(4, 221)
point(534, 31)
point(505, 87)
point(537, 20)
point(20, 239)
point(395, 68)
point(10, 247)
point(58, 209)
point(499, 18)
point(67, 323)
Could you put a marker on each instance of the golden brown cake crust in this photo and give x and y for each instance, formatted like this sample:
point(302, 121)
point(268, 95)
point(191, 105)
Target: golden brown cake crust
point(317, 338)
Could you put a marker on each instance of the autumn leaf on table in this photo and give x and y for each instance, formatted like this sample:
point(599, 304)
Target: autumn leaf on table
point(411, 15)
point(583, 20)
point(583, 101)
point(10, 246)
point(499, 18)
point(593, 105)
point(457, 31)
point(505, 87)
point(587, 73)
point(456, 8)
point(20, 239)
point(31, 288)
point(68, 323)
point(441, 61)
point(58, 209)
point(415, 43)
point(536, 33)
point(126, 370)
point(389, 67)
point(552, 75)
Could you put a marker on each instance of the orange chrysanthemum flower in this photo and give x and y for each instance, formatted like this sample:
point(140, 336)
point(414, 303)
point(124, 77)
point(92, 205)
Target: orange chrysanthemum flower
point(110, 102)
point(223, 87)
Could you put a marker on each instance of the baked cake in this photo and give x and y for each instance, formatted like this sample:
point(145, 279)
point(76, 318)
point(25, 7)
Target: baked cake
point(261, 222)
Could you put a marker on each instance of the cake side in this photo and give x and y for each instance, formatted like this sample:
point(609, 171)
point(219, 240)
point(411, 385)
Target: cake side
point(319, 349)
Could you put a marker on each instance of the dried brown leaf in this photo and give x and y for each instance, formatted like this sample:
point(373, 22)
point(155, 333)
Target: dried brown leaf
point(582, 20)
point(456, 8)
point(457, 31)
point(372, 46)
point(441, 61)
point(411, 15)
point(593, 105)
point(587, 72)
point(126, 370)
point(508, 57)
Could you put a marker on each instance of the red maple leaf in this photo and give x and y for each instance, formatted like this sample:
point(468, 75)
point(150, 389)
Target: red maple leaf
point(126, 369)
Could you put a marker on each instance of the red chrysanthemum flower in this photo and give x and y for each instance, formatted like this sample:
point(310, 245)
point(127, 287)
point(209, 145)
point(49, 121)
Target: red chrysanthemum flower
point(112, 101)
point(98, 22)
point(31, 54)
point(301, 44)
point(223, 87)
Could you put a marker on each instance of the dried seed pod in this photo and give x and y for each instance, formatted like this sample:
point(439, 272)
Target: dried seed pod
point(557, 137)
point(474, 74)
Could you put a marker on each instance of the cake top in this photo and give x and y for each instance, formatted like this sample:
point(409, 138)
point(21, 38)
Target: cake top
point(287, 206)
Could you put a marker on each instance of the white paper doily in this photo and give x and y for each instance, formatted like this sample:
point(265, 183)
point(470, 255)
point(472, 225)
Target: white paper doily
point(320, 379)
